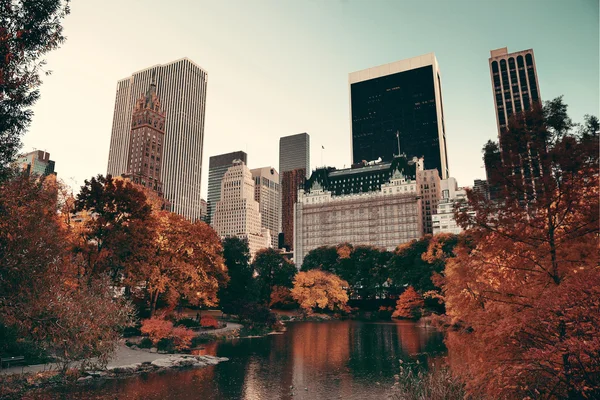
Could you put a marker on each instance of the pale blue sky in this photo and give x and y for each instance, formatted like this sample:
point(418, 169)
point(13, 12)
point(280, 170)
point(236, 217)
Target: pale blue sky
point(277, 68)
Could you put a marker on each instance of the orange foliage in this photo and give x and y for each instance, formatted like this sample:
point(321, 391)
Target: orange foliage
point(208, 321)
point(157, 329)
point(319, 289)
point(280, 296)
point(409, 304)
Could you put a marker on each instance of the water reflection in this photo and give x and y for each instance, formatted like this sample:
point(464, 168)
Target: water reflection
point(312, 360)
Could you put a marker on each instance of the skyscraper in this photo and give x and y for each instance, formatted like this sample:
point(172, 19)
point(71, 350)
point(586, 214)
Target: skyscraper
point(217, 166)
point(181, 87)
point(516, 89)
point(146, 140)
point(267, 192)
point(515, 83)
point(430, 192)
point(294, 152)
point(399, 105)
point(237, 213)
point(294, 164)
point(37, 162)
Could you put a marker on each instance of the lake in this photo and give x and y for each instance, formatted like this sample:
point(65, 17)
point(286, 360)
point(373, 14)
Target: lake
point(311, 360)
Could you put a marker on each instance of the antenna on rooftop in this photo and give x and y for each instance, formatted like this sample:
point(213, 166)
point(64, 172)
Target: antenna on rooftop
point(398, 138)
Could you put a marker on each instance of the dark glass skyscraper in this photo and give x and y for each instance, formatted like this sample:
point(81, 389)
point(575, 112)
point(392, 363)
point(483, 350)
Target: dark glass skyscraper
point(399, 105)
point(294, 165)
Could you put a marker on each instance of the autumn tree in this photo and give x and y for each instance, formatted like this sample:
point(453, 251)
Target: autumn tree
point(28, 31)
point(409, 305)
point(526, 288)
point(118, 237)
point(185, 263)
point(318, 289)
point(40, 295)
point(272, 270)
point(241, 288)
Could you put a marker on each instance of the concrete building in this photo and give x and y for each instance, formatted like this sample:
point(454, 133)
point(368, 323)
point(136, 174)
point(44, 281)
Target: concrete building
point(294, 164)
point(443, 221)
point(146, 142)
point(237, 213)
point(481, 186)
point(267, 192)
point(515, 83)
point(37, 162)
point(217, 166)
point(376, 204)
point(430, 192)
point(204, 210)
point(399, 105)
point(181, 87)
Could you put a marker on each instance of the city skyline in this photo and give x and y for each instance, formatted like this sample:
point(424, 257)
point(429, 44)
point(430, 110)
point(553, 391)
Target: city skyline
point(287, 103)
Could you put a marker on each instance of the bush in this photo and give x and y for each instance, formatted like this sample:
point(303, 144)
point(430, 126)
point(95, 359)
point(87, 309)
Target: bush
point(145, 343)
point(166, 344)
point(188, 323)
point(200, 339)
point(159, 329)
point(208, 321)
point(257, 314)
point(385, 312)
point(131, 331)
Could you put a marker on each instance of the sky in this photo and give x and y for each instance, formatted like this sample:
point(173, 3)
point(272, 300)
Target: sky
point(277, 68)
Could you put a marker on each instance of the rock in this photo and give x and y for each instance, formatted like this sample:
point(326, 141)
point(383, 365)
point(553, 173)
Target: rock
point(133, 347)
point(182, 361)
point(96, 373)
point(84, 378)
point(154, 350)
point(125, 368)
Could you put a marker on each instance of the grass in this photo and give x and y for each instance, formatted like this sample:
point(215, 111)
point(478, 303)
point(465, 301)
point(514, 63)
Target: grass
point(436, 383)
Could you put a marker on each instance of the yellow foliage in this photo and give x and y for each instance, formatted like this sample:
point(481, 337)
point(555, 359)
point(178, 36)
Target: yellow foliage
point(319, 289)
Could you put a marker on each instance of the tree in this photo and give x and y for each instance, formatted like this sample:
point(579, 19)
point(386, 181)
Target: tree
point(118, 237)
point(40, 295)
point(241, 288)
point(28, 31)
point(370, 264)
point(526, 288)
point(185, 263)
point(324, 258)
point(319, 289)
point(273, 270)
point(409, 305)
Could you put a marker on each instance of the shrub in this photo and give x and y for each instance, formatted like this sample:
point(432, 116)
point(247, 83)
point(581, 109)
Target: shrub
point(257, 314)
point(208, 321)
point(200, 339)
point(166, 344)
point(385, 312)
point(160, 330)
point(188, 323)
point(281, 298)
point(145, 343)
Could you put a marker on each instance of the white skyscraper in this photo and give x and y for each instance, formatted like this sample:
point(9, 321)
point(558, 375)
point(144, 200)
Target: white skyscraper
point(181, 87)
point(237, 213)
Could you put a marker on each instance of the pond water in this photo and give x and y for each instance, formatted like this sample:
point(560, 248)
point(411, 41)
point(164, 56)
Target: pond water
point(311, 360)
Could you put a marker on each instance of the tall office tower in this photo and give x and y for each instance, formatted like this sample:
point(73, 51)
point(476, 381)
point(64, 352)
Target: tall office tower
point(267, 192)
point(204, 209)
point(181, 87)
point(516, 89)
point(430, 192)
point(399, 105)
point(237, 213)
point(376, 204)
point(481, 186)
point(294, 164)
point(217, 166)
point(515, 83)
point(146, 139)
point(37, 162)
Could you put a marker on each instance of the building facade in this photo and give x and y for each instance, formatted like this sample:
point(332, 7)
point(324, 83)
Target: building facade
point(382, 207)
point(237, 213)
point(146, 142)
point(294, 164)
point(267, 192)
point(443, 220)
point(217, 166)
point(37, 162)
point(515, 83)
point(516, 89)
point(181, 87)
point(397, 108)
point(430, 191)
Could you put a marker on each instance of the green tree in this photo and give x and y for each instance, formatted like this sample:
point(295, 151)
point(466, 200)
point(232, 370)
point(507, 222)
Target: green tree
point(273, 270)
point(28, 30)
point(370, 266)
point(324, 258)
point(241, 288)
